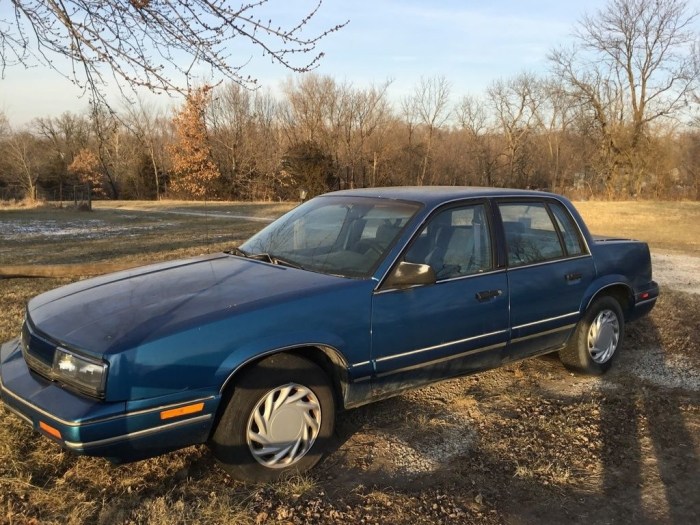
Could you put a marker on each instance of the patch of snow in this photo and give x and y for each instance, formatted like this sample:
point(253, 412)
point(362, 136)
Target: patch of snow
point(85, 229)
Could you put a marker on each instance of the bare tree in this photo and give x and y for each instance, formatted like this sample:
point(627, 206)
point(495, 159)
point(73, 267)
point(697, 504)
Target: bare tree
point(147, 43)
point(431, 103)
point(65, 136)
point(22, 159)
point(312, 118)
point(473, 118)
point(515, 103)
point(246, 145)
point(106, 129)
point(4, 125)
point(147, 125)
point(647, 44)
point(631, 66)
point(363, 116)
point(555, 116)
point(311, 110)
point(413, 149)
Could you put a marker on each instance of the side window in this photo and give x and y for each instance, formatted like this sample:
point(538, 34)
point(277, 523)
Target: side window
point(455, 243)
point(531, 236)
point(568, 230)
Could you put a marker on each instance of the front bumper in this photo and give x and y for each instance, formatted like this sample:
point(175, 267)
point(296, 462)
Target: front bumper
point(121, 431)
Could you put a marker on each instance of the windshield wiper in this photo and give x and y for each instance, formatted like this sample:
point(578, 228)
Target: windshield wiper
point(267, 257)
point(274, 259)
point(239, 252)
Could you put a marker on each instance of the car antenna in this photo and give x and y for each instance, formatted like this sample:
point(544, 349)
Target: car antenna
point(206, 222)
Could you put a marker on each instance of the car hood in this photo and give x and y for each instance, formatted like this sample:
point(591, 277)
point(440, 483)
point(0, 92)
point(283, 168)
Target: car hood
point(118, 311)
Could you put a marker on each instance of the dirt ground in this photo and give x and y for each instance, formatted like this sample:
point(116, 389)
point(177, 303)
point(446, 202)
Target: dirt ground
point(528, 443)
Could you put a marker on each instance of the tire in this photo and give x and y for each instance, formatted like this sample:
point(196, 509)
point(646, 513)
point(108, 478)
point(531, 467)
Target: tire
point(597, 340)
point(277, 422)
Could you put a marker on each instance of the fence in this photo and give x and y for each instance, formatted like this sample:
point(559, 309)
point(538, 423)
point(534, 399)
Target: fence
point(78, 195)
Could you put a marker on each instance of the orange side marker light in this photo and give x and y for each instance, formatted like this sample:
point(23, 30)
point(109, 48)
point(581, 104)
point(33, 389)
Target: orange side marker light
point(50, 430)
point(182, 411)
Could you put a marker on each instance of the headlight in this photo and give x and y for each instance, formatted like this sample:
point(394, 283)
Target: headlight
point(87, 375)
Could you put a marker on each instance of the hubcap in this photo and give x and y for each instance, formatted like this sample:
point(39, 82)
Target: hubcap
point(603, 336)
point(284, 425)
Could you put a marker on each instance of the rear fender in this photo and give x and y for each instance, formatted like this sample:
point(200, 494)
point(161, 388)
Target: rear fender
point(617, 286)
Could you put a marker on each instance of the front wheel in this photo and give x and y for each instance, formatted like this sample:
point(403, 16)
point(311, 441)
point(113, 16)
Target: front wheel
point(597, 340)
point(277, 421)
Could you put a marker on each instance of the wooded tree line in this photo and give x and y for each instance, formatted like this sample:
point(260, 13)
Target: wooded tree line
point(614, 118)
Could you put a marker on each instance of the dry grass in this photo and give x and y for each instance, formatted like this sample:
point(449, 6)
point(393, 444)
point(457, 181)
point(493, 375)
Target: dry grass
point(669, 226)
point(124, 236)
point(253, 209)
point(21, 204)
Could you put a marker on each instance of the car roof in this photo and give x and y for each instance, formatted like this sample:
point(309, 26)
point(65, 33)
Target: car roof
point(433, 195)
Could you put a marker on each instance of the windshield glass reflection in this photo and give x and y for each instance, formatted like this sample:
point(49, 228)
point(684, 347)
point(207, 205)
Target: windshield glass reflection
point(338, 235)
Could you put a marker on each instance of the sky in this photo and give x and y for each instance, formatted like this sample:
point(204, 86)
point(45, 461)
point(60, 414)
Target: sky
point(470, 42)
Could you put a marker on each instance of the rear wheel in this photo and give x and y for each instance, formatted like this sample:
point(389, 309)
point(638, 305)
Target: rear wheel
point(278, 420)
point(597, 340)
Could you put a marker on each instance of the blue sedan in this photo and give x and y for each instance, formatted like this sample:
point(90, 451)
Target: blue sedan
point(351, 297)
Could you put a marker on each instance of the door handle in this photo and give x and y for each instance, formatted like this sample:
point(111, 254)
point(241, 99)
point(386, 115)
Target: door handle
point(573, 276)
point(487, 294)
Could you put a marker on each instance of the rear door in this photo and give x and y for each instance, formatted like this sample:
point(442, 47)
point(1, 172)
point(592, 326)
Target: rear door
point(457, 325)
point(549, 269)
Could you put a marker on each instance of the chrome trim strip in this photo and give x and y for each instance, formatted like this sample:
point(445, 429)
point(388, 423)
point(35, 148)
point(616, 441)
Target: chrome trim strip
point(545, 320)
point(546, 332)
point(19, 414)
point(471, 275)
point(443, 345)
point(442, 359)
point(550, 261)
point(77, 445)
point(48, 415)
point(363, 363)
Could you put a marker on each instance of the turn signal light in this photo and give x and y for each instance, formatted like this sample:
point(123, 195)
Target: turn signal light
point(182, 411)
point(50, 430)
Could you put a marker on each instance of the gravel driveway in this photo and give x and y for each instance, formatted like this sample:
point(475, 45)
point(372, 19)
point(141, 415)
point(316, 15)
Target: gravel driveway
point(677, 272)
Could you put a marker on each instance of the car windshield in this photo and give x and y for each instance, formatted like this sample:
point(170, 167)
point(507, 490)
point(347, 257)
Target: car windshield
point(339, 235)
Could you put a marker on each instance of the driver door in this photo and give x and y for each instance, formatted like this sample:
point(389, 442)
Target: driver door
point(456, 325)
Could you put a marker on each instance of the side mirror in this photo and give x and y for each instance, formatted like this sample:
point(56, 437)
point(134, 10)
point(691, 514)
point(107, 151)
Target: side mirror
point(410, 274)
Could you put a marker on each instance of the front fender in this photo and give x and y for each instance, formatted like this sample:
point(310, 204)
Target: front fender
point(327, 342)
